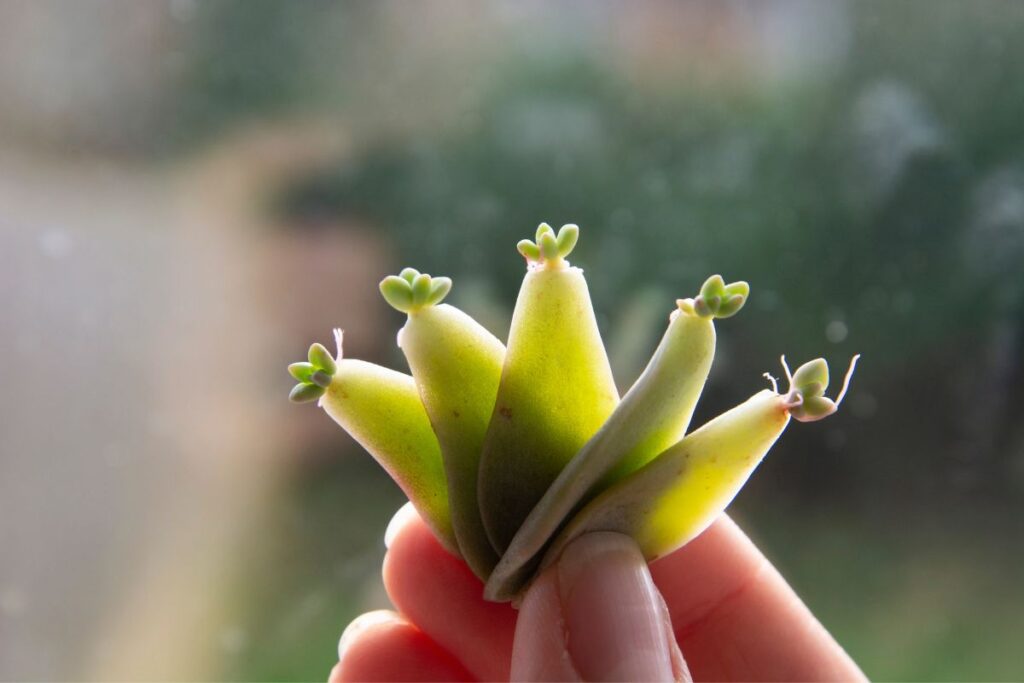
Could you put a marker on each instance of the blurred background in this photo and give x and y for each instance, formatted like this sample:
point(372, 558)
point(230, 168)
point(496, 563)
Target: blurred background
point(193, 192)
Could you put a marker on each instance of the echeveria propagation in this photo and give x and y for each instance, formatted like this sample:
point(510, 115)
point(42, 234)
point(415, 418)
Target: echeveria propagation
point(510, 454)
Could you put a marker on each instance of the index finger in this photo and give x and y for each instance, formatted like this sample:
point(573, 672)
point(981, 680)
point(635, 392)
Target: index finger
point(736, 618)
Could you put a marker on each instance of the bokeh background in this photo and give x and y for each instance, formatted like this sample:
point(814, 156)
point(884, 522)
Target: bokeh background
point(192, 192)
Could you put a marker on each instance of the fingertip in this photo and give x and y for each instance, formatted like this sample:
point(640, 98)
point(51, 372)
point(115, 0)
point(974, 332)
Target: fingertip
point(441, 595)
point(383, 646)
point(616, 625)
point(361, 625)
point(540, 651)
point(405, 516)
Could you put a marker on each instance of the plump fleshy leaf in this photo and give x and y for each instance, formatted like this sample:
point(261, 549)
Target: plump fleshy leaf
point(301, 371)
point(556, 391)
point(304, 393)
point(381, 409)
point(321, 359)
point(673, 498)
point(457, 365)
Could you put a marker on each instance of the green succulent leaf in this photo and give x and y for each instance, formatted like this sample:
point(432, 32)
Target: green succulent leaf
point(673, 498)
point(457, 365)
point(302, 371)
point(811, 376)
point(439, 288)
point(568, 235)
point(420, 289)
point(556, 391)
point(397, 291)
point(321, 359)
point(304, 393)
point(381, 409)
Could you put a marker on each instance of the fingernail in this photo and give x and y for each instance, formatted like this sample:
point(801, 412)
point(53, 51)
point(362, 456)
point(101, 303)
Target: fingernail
point(615, 624)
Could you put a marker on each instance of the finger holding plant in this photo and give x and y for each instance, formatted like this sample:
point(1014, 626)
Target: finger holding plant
point(511, 453)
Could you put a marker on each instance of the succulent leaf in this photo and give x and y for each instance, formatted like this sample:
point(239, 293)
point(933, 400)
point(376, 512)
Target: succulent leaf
point(301, 371)
point(321, 359)
point(669, 501)
point(457, 365)
point(556, 391)
point(304, 393)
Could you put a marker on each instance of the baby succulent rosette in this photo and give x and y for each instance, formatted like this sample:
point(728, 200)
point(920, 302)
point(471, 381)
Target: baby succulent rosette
point(509, 452)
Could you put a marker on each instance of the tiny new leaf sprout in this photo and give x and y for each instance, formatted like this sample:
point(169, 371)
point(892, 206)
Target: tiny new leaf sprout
point(807, 387)
point(411, 290)
point(381, 409)
point(314, 377)
point(549, 249)
point(653, 415)
point(556, 386)
point(668, 502)
point(456, 364)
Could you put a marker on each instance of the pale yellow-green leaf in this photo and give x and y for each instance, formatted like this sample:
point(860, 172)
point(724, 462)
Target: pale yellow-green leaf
point(672, 499)
point(457, 365)
point(653, 415)
point(556, 391)
point(381, 409)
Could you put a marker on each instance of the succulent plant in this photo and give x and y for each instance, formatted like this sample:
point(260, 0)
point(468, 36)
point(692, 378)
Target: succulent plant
point(510, 453)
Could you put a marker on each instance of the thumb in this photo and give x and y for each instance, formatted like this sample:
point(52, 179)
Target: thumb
point(596, 616)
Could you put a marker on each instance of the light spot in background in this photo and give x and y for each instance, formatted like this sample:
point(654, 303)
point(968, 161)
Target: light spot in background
point(890, 125)
point(836, 331)
point(996, 237)
point(55, 243)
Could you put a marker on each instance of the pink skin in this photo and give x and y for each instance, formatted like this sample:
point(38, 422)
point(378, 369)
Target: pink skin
point(715, 610)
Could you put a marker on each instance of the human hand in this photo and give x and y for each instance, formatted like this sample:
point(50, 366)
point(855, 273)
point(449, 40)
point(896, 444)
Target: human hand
point(714, 610)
